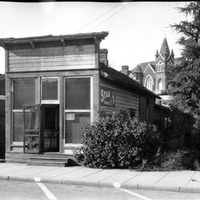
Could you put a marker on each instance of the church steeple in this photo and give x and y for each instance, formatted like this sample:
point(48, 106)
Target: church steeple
point(157, 54)
point(164, 50)
point(172, 53)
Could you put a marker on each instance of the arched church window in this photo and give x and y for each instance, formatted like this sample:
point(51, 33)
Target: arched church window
point(149, 82)
point(160, 84)
point(162, 67)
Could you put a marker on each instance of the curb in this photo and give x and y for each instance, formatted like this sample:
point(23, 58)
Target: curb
point(106, 185)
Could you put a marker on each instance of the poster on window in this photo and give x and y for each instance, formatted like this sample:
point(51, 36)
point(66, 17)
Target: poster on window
point(107, 96)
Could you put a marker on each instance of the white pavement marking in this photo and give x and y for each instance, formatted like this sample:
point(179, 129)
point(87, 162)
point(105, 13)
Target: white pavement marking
point(44, 189)
point(135, 194)
point(118, 185)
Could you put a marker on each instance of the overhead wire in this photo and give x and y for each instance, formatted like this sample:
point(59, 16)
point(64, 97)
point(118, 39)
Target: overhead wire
point(98, 17)
point(111, 16)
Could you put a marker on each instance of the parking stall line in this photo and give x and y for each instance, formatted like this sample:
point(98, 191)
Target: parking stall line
point(117, 185)
point(49, 195)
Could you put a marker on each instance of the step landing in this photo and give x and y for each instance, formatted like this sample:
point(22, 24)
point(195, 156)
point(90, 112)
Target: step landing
point(47, 161)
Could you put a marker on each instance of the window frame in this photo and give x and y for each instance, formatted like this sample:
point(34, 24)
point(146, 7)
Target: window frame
point(20, 143)
point(58, 91)
point(90, 111)
point(149, 77)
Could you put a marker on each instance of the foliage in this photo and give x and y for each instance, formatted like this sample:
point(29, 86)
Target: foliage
point(186, 82)
point(172, 161)
point(176, 130)
point(118, 141)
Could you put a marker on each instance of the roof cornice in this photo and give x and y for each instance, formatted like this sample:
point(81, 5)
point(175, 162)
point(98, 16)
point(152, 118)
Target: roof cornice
point(51, 38)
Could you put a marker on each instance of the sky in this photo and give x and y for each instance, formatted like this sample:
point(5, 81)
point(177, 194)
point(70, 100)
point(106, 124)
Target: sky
point(136, 29)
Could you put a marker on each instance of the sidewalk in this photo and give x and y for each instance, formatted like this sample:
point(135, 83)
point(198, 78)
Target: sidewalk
point(179, 181)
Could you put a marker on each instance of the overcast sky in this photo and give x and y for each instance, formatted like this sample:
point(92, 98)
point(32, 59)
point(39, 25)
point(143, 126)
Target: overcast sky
point(136, 29)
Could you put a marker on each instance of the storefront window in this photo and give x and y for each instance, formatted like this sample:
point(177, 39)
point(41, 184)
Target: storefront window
point(77, 108)
point(77, 93)
point(49, 88)
point(18, 126)
point(24, 92)
point(74, 125)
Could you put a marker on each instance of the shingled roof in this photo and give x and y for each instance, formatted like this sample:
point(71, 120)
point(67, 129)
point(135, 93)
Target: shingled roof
point(142, 66)
point(164, 50)
point(118, 77)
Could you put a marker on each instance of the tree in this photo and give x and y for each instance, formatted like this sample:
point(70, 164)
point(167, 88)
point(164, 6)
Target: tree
point(186, 81)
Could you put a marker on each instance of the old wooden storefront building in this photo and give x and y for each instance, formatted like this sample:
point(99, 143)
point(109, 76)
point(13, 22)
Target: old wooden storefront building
point(57, 84)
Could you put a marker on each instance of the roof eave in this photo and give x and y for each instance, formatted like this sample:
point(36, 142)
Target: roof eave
point(49, 38)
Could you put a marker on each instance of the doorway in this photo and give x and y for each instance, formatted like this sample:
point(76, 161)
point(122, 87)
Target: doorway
point(50, 128)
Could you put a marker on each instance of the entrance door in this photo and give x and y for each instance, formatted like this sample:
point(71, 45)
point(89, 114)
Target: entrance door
point(32, 132)
point(50, 128)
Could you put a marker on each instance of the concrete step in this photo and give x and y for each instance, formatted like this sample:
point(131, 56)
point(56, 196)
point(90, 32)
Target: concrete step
point(48, 161)
point(42, 159)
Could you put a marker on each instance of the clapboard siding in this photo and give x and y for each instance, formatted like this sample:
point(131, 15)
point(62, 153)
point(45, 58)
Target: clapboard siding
point(53, 58)
point(126, 100)
point(123, 100)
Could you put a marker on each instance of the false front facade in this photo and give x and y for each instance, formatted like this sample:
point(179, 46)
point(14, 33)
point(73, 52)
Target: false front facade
point(57, 84)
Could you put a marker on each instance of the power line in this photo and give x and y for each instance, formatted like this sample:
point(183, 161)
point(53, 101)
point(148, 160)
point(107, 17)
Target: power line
point(98, 17)
point(110, 16)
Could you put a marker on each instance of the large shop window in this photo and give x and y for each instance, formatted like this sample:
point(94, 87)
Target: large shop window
point(49, 90)
point(77, 108)
point(77, 93)
point(24, 93)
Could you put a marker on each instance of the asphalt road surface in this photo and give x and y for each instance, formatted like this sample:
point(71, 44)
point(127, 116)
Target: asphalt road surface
point(16, 190)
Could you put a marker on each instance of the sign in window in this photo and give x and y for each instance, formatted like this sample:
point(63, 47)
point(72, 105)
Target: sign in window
point(107, 97)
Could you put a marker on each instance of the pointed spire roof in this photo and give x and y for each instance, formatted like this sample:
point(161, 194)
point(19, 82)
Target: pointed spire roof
point(157, 54)
point(172, 53)
point(164, 48)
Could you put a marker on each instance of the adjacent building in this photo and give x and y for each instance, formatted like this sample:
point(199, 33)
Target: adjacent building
point(2, 117)
point(57, 84)
point(155, 75)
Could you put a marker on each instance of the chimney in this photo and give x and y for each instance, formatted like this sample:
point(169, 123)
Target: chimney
point(104, 56)
point(125, 69)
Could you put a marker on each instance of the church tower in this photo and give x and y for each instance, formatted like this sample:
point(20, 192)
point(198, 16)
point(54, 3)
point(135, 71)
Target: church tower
point(163, 64)
point(155, 75)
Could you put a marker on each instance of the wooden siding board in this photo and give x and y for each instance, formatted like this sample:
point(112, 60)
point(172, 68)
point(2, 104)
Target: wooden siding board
point(56, 58)
point(85, 72)
point(50, 68)
point(124, 99)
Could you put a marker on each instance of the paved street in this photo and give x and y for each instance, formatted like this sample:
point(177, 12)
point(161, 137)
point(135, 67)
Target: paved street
point(20, 190)
point(22, 181)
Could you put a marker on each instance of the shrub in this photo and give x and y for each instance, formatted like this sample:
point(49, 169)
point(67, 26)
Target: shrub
point(191, 160)
point(118, 141)
point(172, 161)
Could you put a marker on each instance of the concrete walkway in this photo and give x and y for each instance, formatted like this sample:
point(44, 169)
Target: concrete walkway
point(179, 181)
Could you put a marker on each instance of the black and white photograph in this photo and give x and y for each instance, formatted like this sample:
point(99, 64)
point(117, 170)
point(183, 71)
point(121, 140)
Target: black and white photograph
point(100, 100)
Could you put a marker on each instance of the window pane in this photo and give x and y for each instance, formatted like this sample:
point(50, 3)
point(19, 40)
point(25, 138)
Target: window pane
point(74, 124)
point(18, 127)
point(49, 89)
point(24, 92)
point(77, 93)
point(32, 120)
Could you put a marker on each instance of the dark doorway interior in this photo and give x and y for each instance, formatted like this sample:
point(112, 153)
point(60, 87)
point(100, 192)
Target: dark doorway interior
point(50, 128)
